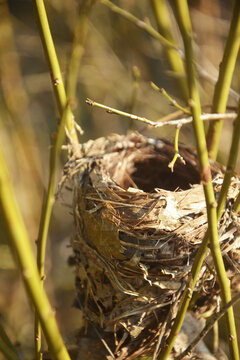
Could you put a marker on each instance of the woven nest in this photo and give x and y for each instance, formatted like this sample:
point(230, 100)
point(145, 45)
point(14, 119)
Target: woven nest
point(138, 228)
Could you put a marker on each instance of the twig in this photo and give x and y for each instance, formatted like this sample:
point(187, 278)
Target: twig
point(80, 34)
point(157, 124)
point(155, 34)
point(203, 117)
point(8, 351)
point(135, 90)
point(216, 317)
point(231, 164)
point(236, 206)
point(95, 329)
point(215, 332)
point(170, 99)
point(176, 155)
point(224, 80)
point(6, 341)
point(167, 320)
point(139, 23)
point(111, 110)
point(213, 80)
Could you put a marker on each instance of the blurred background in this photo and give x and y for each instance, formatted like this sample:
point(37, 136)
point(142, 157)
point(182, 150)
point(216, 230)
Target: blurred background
point(114, 47)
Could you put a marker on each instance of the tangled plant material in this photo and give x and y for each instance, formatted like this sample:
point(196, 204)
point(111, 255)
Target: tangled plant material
point(138, 227)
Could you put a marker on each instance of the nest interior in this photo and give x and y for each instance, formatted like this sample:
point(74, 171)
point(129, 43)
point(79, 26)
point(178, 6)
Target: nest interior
point(138, 227)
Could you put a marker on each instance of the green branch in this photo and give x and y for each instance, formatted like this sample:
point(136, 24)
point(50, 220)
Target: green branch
point(183, 19)
point(231, 164)
point(47, 207)
point(210, 324)
point(20, 244)
point(67, 121)
point(80, 33)
point(170, 99)
point(236, 206)
point(202, 251)
point(161, 13)
point(139, 23)
point(53, 64)
point(159, 123)
point(224, 81)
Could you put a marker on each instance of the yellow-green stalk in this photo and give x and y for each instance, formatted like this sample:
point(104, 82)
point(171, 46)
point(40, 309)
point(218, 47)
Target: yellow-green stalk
point(223, 84)
point(184, 22)
point(164, 27)
point(20, 244)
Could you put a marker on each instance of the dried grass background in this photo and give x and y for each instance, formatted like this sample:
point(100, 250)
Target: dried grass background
point(27, 119)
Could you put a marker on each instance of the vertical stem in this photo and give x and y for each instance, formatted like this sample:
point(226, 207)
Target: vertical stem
point(53, 64)
point(232, 159)
point(198, 261)
point(164, 27)
point(224, 81)
point(135, 90)
point(7, 351)
point(46, 216)
point(141, 24)
point(80, 33)
point(66, 120)
point(5, 338)
point(22, 250)
point(236, 206)
point(183, 18)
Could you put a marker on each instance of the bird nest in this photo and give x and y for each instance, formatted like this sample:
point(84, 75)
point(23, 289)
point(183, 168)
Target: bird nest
point(138, 227)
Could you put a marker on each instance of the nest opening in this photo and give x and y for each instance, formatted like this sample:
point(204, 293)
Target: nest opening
point(154, 173)
point(147, 169)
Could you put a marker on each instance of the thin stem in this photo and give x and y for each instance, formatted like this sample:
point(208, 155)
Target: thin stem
point(20, 244)
point(236, 206)
point(157, 124)
point(216, 317)
point(187, 296)
point(215, 341)
point(111, 110)
point(6, 346)
point(5, 338)
point(53, 65)
point(139, 23)
point(183, 19)
point(232, 159)
point(170, 99)
point(224, 80)
point(8, 351)
point(164, 24)
point(135, 90)
point(66, 120)
point(46, 215)
point(80, 33)
point(17, 103)
point(176, 154)
point(156, 35)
